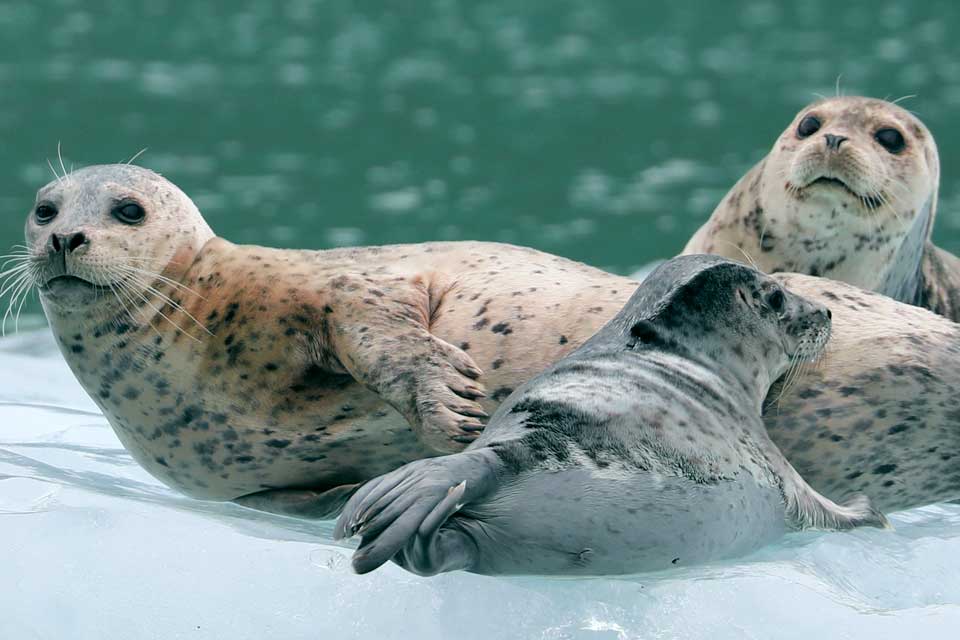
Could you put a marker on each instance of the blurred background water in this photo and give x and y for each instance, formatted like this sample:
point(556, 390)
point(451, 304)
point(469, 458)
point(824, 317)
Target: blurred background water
point(603, 131)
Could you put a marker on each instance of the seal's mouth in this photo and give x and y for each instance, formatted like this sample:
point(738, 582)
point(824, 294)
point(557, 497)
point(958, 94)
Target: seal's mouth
point(869, 201)
point(63, 285)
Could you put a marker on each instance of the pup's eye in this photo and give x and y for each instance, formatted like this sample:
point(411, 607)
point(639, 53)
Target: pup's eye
point(808, 126)
point(45, 213)
point(890, 139)
point(130, 213)
point(776, 300)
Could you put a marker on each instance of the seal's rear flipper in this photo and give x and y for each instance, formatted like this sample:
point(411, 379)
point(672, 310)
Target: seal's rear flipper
point(300, 503)
point(401, 514)
point(807, 509)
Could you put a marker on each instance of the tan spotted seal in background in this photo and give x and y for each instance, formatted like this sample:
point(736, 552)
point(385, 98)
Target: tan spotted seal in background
point(848, 192)
point(278, 378)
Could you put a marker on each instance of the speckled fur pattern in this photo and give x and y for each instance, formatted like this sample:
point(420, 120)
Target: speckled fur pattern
point(789, 213)
point(642, 448)
point(284, 378)
point(880, 413)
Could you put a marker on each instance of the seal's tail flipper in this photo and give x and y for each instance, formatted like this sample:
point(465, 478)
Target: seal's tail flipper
point(402, 513)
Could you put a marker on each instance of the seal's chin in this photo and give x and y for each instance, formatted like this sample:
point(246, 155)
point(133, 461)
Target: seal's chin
point(71, 290)
point(828, 182)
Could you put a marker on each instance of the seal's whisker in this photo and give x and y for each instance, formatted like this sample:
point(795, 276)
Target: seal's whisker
point(163, 279)
point(136, 155)
point(60, 158)
point(127, 292)
point(147, 302)
point(139, 280)
point(21, 285)
point(745, 254)
point(906, 97)
point(17, 268)
point(122, 297)
point(165, 299)
point(23, 298)
point(13, 282)
point(57, 175)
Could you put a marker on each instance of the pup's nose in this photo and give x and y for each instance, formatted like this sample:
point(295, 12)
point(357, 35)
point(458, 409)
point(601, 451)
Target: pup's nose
point(68, 242)
point(834, 142)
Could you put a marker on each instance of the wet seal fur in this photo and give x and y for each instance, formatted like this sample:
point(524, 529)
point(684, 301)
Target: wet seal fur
point(641, 450)
point(848, 192)
point(282, 379)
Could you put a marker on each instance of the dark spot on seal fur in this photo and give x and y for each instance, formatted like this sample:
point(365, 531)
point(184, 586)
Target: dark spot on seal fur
point(502, 327)
point(501, 393)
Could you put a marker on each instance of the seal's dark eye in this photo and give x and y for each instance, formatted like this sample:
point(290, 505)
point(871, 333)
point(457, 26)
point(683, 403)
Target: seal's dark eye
point(45, 213)
point(808, 126)
point(130, 213)
point(775, 301)
point(890, 139)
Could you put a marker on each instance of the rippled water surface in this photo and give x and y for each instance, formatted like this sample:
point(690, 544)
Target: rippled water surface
point(602, 131)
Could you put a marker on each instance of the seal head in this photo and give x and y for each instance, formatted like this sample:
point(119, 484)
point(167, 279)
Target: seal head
point(100, 238)
point(848, 192)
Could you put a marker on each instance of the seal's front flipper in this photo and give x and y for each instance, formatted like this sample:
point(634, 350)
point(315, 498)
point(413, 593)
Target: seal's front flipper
point(807, 509)
point(401, 515)
point(387, 346)
point(300, 503)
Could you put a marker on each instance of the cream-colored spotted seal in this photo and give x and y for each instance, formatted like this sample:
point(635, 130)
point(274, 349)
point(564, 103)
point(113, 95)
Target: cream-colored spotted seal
point(848, 192)
point(232, 370)
point(283, 379)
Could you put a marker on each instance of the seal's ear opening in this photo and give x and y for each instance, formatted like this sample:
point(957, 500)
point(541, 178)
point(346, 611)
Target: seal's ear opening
point(644, 332)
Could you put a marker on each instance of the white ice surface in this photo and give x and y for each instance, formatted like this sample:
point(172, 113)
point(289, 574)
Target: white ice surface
point(93, 547)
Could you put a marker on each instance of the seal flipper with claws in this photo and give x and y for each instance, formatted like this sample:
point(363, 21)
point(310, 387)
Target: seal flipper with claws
point(389, 348)
point(641, 450)
point(405, 512)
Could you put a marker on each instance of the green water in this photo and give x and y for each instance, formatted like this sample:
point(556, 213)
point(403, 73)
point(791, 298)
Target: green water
point(602, 131)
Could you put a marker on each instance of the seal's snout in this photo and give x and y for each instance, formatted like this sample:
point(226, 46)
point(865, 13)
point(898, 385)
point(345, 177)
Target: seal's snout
point(68, 243)
point(834, 142)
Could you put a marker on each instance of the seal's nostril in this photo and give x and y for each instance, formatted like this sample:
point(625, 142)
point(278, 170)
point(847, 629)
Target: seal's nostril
point(55, 242)
point(829, 315)
point(76, 241)
point(834, 142)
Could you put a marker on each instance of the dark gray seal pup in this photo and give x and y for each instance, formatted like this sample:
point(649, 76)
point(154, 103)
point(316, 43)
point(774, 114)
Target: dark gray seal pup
point(641, 450)
point(848, 192)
